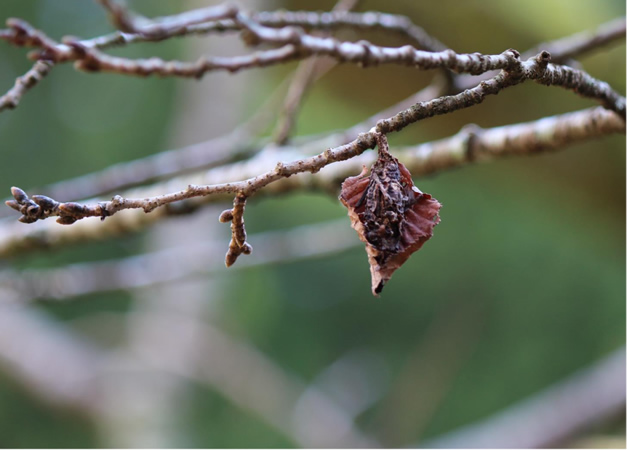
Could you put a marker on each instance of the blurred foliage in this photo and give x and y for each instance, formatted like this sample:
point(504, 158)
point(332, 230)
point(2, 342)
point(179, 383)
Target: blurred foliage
point(523, 282)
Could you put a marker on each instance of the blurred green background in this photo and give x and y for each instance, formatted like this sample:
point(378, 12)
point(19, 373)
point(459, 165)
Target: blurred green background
point(522, 284)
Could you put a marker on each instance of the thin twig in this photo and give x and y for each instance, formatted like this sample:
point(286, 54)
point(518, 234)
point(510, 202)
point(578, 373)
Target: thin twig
point(221, 150)
point(119, 15)
point(538, 69)
point(164, 27)
point(304, 76)
point(197, 22)
point(12, 98)
point(475, 144)
point(472, 144)
point(365, 20)
point(575, 45)
point(21, 33)
point(238, 244)
point(563, 49)
point(295, 45)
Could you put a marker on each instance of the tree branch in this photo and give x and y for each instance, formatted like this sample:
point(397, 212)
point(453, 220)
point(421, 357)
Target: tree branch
point(195, 22)
point(538, 69)
point(571, 46)
point(12, 98)
point(337, 19)
point(234, 145)
point(472, 144)
point(172, 265)
point(46, 358)
point(295, 45)
point(562, 50)
point(22, 34)
point(548, 418)
point(221, 150)
point(164, 27)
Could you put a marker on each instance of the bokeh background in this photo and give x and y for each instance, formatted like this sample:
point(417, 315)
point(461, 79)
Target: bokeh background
point(522, 285)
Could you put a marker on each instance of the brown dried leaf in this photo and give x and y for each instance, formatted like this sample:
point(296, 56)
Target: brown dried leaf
point(391, 215)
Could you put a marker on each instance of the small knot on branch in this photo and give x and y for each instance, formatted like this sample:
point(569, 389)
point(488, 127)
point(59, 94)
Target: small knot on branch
point(85, 59)
point(291, 35)
point(367, 59)
point(383, 126)
point(543, 58)
point(25, 35)
point(513, 59)
point(471, 132)
point(281, 170)
point(249, 38)
point(226, 216)
point(79, 49)
point(104, 212)
point(513, 53)
point(72, 209)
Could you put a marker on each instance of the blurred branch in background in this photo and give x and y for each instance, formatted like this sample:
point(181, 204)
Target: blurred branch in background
point(55, 366)
point(304, 76)
point(48, 359)
point(172, 264)
point(552, 417)
point(546, 419)
point(435, 362)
